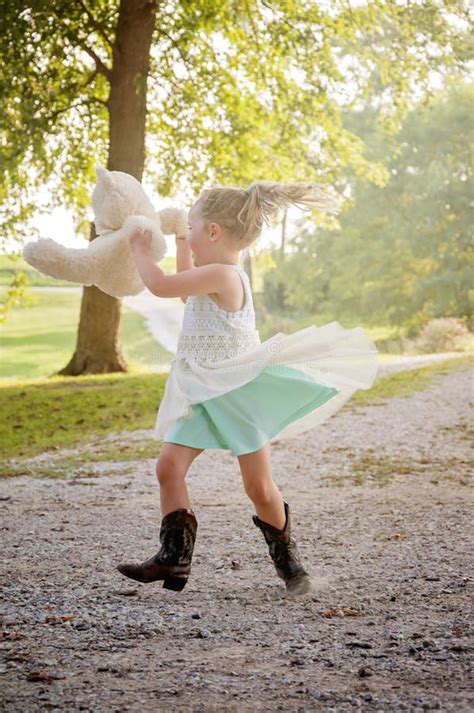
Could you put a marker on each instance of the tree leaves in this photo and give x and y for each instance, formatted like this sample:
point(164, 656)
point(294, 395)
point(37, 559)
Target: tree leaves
point(236, 91)
point(403, 253)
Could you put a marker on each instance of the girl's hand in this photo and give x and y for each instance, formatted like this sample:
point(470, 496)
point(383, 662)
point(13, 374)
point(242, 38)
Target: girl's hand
point(141, 238)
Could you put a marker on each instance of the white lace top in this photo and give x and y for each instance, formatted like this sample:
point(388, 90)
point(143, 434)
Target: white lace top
point(210, 333)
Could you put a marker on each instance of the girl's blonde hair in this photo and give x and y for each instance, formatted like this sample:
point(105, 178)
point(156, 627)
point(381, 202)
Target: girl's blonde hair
point(242, 212)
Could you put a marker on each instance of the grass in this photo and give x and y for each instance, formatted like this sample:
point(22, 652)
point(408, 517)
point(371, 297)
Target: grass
point(64, 412)
point(85, 462)
point(46, 416)
point(406, 383)
point(38, 341)
point(379, 471)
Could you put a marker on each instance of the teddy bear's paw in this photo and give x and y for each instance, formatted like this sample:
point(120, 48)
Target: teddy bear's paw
point(158, 245)
point(45, 255)
point(174, 221)
point(140, 222)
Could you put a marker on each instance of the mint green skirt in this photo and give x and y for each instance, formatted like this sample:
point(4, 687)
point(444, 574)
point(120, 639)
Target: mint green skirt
point(245, 419)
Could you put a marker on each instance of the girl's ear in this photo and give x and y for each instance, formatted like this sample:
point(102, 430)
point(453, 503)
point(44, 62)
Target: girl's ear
point(215, 230)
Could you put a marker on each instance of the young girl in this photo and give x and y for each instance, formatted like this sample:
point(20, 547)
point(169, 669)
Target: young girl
point(227, 389)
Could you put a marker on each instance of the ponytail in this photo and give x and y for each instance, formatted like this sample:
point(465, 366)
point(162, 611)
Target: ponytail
point(243, 212)
point(267, 198)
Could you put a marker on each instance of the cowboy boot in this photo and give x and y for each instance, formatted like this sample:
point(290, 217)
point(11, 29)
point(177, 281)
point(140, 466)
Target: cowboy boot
point(284, 553)
point(173, 562)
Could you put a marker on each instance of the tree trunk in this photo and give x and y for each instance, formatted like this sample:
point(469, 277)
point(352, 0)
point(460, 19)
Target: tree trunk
point(98, 347)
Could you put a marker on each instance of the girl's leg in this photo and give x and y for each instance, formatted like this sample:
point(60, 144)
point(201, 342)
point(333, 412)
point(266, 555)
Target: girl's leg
point(172, 563)
point(171, 468)
point(256, 472)
point(271, 510)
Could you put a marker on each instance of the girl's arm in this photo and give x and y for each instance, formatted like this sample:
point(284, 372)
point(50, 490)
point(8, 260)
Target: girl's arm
point(196, 281)
point(184, 260)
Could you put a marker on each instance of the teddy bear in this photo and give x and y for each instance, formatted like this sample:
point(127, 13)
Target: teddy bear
point(120, 206)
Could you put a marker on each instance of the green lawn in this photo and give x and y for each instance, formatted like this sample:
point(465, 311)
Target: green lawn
point(68, 411)
point(38, 340)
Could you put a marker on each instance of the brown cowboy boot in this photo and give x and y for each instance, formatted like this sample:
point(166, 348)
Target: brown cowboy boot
point(284, 553)
point(173, 562)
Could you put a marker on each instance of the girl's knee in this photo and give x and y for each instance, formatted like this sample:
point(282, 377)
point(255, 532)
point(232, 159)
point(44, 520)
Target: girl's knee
point(261, 492)
point(168, 470)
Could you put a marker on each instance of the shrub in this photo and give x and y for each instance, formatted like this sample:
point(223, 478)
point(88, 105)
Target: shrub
point(443, 334)
point(273, 290)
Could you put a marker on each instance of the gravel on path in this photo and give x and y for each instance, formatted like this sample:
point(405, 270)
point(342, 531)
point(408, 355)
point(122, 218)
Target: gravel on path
point(381, 506)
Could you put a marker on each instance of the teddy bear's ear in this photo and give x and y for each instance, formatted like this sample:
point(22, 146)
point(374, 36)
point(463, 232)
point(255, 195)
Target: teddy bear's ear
point(103, 175)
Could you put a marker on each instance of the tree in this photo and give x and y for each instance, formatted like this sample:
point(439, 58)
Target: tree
point(235, 91)
point(97, 349)
point(403, 253)
point(59, 36)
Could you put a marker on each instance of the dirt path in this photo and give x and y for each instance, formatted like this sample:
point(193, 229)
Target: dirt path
point(163, 316)
point(382, 512)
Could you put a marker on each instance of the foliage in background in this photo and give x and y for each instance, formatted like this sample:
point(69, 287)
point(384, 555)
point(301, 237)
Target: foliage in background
point(404, 252)
point(236, 91)
point(445, 334)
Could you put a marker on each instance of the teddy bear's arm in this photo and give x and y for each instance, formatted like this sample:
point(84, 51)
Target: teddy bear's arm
point(55, 260)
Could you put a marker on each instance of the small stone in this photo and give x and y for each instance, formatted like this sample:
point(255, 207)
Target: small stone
point(458, 647)
point(81, 625)
point(201, 634)
point(43, 676)
point(125, 592)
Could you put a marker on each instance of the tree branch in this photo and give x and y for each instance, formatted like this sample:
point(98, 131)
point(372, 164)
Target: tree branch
point(176, 45)
point(96, 25)
point(74, 40)
point(83, 102)
point(100, 66)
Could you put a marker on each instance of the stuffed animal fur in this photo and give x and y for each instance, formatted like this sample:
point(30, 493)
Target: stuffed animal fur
point(120, 206)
